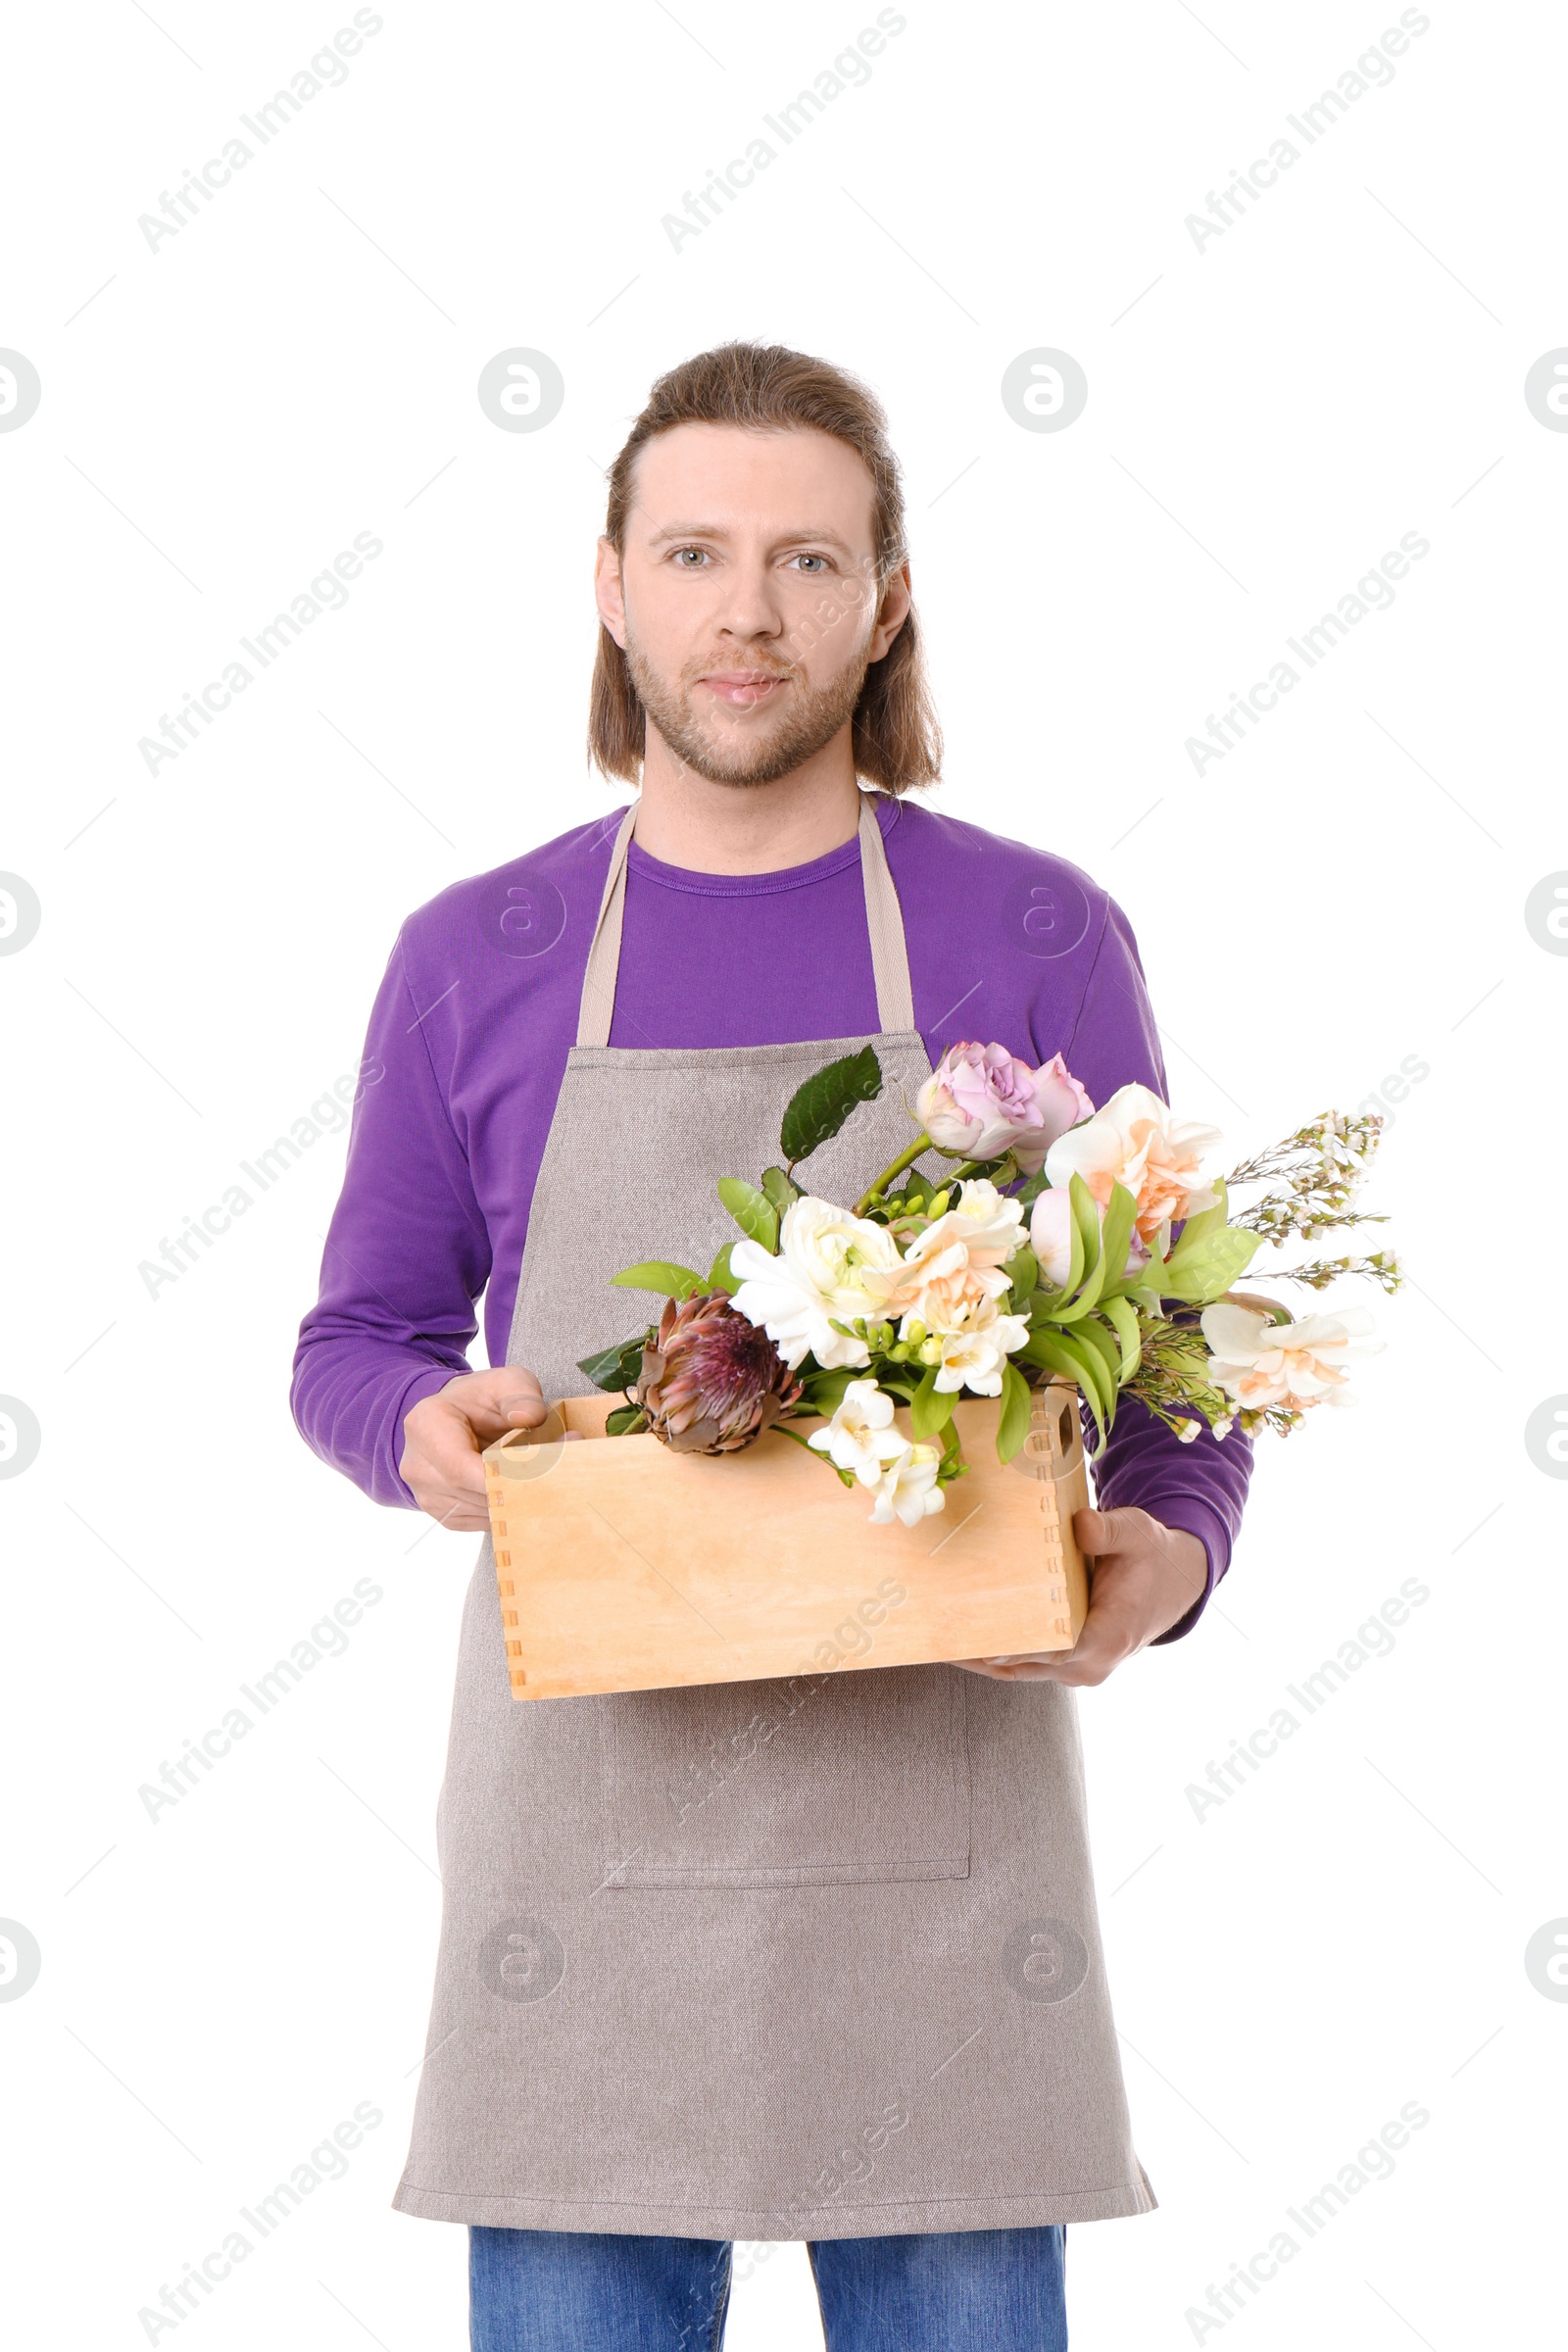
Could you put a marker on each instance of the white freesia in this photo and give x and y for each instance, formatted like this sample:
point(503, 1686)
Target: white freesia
point(1136, 1141)
point(861, 1436)
point(974, 1350)
point(817, 1277)
point(1294, 1364)
point(956, 1263)
point(907, 1487)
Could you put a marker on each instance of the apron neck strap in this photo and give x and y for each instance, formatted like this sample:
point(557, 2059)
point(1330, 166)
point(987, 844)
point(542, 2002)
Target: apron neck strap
point(890, 960)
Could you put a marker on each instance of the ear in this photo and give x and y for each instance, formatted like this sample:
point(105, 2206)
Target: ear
point(608, 593)
point(892, 613)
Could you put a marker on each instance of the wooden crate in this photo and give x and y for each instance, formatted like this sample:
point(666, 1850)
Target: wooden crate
point(625, 1566)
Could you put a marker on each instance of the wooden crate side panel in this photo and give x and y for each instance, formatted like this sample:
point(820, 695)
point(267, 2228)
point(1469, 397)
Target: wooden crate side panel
point(635, 1568)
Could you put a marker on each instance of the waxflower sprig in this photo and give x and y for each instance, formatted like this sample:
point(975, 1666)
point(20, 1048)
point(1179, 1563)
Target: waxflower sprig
point(1066, 1242)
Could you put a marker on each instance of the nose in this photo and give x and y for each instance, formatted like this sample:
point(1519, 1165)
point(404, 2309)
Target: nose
point(748, 607)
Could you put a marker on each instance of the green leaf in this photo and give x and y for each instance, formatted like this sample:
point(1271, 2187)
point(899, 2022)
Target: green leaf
point(1123, 1319)
point(932, 1409)
point(624, 1422)
point(1111, 1242)
point(719, 1277)
point(752, 1209)
point(817, 1109)
point(1106, 1345)
point(1205, 1271)
point(1018, 1410)
point(1208, 1221)
point(1028, 1194)
point(1116, 1237)
point(779, 1190)
point(1022, 1271)
point(616, 1368)
point(823, 1392)
point(1063, 1352)
point(1085, 1223)
point(656, 1274)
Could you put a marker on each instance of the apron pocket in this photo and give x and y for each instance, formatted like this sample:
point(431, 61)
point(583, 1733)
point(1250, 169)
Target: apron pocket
point(818, 1780)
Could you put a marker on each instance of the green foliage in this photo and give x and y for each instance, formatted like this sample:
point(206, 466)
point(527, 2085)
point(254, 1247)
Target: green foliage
point(1104, 1250)
point(752, 1209)
point(1123, 1320)
point(779, 1190)
point(1064, 1353)
point(823, 1392)
point(719, 1277)
point(1022, 1271)
point(1018, 1410)
point(931, 1408)
point(656, 1274)
point(626, 1421)
point(616, 1368)
point(1203, 1270)
point(817, 1109)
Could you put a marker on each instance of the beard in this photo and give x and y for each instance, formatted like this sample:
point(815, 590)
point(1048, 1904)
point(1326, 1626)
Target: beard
point(745, 749)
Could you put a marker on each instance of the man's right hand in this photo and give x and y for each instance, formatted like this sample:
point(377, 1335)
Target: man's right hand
point(443, 1433)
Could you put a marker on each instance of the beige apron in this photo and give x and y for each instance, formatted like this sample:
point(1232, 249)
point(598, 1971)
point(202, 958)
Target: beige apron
point(802, 1959)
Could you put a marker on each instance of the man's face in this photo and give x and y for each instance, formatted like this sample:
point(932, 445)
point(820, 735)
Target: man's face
point(746, 597)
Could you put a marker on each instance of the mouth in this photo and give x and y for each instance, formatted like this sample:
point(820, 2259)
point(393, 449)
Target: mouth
point(742, 689)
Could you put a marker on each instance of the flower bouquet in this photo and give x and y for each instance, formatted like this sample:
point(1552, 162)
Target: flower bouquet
point(1066, 1244)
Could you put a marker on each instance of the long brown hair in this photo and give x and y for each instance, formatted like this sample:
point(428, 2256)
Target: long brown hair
point(897, 741)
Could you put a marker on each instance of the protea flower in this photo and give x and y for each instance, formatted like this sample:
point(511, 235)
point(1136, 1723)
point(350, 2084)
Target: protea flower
point(711, 1381)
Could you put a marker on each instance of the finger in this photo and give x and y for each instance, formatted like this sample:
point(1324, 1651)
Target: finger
point(1106, 1531)
point(524, 1408)
point(455, 1513)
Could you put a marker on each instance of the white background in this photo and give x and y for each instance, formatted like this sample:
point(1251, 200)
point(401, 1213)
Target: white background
point(1342, 893)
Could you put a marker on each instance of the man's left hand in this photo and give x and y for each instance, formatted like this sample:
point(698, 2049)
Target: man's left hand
point(1143, 1578)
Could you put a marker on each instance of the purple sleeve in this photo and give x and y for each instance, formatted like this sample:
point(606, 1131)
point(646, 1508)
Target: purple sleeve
point(407, 1256)
point(1199, 1486)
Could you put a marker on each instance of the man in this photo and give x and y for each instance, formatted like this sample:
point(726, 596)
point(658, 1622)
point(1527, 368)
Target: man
point(813, 1960)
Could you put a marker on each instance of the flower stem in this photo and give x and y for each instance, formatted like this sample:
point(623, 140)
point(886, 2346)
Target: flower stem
point(972, 1167)
point(895, 1167)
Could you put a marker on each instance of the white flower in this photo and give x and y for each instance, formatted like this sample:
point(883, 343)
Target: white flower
point(1295, 1364)
point(975, 1347)
point(815, 1280)
point(861, 1436)
point(956, 1262)
point(1135, 1141)
point(907, 1487)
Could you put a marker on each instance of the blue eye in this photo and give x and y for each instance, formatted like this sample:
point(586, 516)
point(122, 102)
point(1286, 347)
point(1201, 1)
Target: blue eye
point(681, 553)
point(804, 560)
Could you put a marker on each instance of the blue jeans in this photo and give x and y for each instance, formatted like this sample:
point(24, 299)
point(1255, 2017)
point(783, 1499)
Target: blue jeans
point(960, 2291)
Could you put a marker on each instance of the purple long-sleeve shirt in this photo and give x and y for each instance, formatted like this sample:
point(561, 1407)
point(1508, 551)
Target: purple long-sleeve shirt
point(477, 1012)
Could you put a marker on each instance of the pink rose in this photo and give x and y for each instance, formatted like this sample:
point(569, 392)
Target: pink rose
point(981, 1101)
